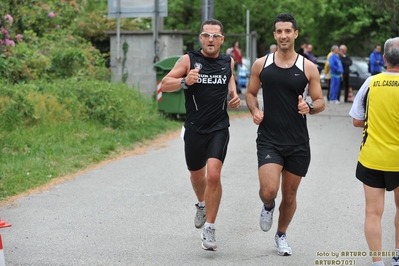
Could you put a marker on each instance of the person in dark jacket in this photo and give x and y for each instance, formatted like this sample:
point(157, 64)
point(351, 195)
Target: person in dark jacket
point(376, 61)
point(303, 49)
point(346, 63)
point(336, 71)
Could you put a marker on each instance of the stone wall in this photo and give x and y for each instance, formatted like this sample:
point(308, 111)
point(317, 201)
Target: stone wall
point(138, 64)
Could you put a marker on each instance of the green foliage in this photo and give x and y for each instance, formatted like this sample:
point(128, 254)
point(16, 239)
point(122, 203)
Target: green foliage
point(66, 62)
point(54, 55)
point(48, 47)
point(44, 16)
point(51, 129)
point(24, 63)
point(34, 156)
point(125, 74)
point(58, 111)
point(112, 105)
point(359, 24)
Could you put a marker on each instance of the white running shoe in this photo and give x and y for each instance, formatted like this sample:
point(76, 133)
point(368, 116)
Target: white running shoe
point(200, 216)
point(266, 219)
point(283, 249)
point(208, 239)
point(395, 261)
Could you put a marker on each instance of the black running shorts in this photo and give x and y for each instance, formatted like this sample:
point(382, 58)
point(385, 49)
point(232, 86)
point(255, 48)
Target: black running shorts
point(294, 158)
point(199, 148)
point(377, 178)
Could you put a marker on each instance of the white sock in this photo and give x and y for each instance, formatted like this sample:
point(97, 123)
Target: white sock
point(378, 263)
point(212, 226)
point(201, 204)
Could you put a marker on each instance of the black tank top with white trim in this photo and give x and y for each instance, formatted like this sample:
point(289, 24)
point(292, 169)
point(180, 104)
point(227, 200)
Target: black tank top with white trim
point(282, 124)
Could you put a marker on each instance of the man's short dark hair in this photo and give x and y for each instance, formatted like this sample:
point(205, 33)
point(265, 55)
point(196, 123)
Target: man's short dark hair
point(212, 22)
point(285, 17)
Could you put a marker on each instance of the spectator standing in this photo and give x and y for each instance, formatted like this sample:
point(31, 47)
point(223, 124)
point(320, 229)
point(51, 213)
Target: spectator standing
point(328, 75)
point(230, 50)
point(346, 63)
point(235, 52)
point(272, 49)
point(336, 71)
point(302, 49)
point(309, 54)
point(375, 109)
point(376, 61)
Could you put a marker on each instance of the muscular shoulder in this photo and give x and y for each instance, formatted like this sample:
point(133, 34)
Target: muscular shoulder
point(310, 66)
point(181, 67)
point(258, 64)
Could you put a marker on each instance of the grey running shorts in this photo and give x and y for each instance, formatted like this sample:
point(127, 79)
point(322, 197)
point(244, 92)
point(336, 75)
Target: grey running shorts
point(377, 178)
point(199, 148)
point(294, 158)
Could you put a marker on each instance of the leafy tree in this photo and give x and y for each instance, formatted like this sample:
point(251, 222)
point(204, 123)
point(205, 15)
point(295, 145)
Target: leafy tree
point(387, 12)
point(348, 22)
point(357, 23)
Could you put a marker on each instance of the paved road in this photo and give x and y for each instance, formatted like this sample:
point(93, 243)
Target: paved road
point(139, 210)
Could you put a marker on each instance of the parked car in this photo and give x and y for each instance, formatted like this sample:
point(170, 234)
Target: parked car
point(359, 72)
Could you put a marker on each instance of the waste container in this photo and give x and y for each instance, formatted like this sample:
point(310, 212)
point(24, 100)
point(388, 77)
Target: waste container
point(169, 102)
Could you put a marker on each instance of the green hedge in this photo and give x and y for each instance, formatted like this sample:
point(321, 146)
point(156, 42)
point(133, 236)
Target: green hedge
point(114, 105)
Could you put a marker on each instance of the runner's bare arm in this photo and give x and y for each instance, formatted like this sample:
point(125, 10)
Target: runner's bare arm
point(251, 97)
point(172, 81)
point(315, 91)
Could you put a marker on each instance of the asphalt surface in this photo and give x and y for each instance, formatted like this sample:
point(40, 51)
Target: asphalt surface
point(140, 210)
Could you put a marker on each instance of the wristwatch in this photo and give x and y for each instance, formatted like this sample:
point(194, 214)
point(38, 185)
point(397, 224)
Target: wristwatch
point(311, 107)
point(183, 84)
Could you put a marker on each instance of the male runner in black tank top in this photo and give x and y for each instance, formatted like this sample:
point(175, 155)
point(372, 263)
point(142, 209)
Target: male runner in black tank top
point(286, 79)
point(207, 80)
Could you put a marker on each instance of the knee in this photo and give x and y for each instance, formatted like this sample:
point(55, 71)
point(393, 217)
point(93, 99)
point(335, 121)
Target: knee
point(374, 212)
point(267, 194)
point(197, 176)
point(213, 179)
point(288, 201)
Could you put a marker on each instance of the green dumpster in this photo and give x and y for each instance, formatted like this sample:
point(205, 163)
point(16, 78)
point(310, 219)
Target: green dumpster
point(169, 102)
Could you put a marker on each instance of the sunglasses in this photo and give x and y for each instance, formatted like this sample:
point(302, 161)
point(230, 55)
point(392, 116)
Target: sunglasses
point(214, 36)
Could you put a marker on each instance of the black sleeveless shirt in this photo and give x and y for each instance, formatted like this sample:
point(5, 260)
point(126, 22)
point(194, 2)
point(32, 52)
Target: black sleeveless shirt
point(206, 100)
point(282, 124)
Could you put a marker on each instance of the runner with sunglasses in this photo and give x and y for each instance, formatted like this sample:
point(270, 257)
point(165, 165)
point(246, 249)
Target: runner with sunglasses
point(207, 78)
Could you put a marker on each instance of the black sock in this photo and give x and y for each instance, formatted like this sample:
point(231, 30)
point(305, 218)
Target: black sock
point(269, 208)
point(280, 233)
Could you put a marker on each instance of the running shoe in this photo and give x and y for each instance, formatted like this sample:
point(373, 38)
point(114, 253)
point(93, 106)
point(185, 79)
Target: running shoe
point(283, 249)
point(200, 216)
point(208, 239)
point(266, 219)
point(395, 261)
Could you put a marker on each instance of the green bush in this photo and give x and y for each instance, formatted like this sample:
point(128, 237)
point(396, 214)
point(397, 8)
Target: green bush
point(113, 105)
point(46, 46)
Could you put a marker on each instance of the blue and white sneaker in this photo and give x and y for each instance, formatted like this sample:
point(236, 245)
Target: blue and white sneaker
point(283, 249)
point(266, 219)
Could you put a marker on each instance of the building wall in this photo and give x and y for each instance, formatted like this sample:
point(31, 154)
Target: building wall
point(140, 56)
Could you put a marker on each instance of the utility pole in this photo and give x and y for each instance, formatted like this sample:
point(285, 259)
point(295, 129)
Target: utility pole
point(207, 9)
point(155, 31)
point(248, 36)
